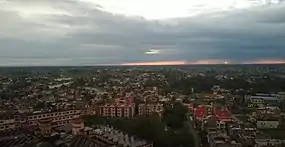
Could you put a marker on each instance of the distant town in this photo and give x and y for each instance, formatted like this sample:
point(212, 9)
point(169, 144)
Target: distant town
point(143, 106)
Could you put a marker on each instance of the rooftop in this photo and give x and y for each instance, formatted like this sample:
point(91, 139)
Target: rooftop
point(200, 112)
point(266, 98)
point(119, 137)
point(222, 113)
point(25, 137)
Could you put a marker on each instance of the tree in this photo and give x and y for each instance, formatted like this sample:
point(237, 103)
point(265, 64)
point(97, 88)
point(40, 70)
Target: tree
point(175, 115)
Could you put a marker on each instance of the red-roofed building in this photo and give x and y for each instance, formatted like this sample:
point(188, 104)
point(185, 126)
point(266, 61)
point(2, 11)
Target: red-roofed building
point(200, 113)
point(222, 114)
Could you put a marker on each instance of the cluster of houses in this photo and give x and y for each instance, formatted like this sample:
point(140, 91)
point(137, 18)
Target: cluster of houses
point(222, 128)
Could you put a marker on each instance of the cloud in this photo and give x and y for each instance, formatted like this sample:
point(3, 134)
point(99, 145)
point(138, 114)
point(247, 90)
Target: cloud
point(176, 8)
point(152, 52)
point(90, 33)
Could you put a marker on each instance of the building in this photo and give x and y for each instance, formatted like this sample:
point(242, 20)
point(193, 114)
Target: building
point(268, 142)
point(77, 126)
point(223, 114)
point(267, 117)
point(261, 100)
point(120, 108)
point(190, 106)
point(44, 135)
point(267, 124)
point(58, 118)
point(45, 126)
point(109, 136)
point(221, 140)
point(200, 113)
point(117, 110)
point(147, 109)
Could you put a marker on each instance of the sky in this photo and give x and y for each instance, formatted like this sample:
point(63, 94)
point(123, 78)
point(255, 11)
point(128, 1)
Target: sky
point(141, 32)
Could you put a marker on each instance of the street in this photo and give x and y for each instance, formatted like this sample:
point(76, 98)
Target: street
point(190, 125)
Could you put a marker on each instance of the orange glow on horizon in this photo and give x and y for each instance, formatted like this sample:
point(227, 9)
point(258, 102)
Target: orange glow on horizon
point(157, 63)
point(204, 62)
point(177, 62)
point(207, 62)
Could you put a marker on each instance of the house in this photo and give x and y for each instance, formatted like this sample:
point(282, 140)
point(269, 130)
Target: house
point(200, 113)
point(223, 114)
point(267, 143)
point(216, 139)
point(267, 117)
point(273, 124)
point(261, 100)
point(262, 140)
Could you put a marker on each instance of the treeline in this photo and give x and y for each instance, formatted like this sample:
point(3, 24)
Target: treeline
point(205, 84)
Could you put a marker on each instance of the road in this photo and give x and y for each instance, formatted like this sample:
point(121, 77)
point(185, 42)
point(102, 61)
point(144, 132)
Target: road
point(190, 125)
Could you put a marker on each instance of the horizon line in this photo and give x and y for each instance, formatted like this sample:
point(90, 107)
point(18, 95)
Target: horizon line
point(1, 66)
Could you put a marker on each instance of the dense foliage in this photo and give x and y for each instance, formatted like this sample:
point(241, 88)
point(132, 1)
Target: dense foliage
point(170, 132)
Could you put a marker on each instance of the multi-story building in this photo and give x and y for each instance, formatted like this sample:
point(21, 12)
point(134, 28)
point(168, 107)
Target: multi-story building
point(261, 100)
point(267, 117)
point(221, 140)
point(147, 109)
point(58, 118)
point(80, 136)
point(117, 110)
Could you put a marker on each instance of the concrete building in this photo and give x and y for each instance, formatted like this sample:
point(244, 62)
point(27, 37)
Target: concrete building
point(273, 124)
point(216, 139)
point(58, 118)
point(77, 126)
point(267, 117)
point(261, 100)
point(117, 110)
point(268, 143)
point(45, 126)
point(147, 109)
